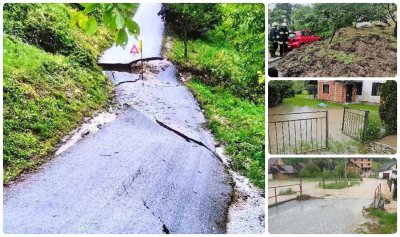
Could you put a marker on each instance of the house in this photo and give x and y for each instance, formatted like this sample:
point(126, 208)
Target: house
point(387, 169)
point(277, 169)
point(365, 164)
point(353, 167)
point(366, 91)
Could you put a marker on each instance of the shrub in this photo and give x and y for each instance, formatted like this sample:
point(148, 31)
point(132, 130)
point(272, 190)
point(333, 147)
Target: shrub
point(278, 90)
point(388, 105)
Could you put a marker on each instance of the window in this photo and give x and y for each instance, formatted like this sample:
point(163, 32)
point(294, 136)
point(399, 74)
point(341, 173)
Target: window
point(326, 89)
point(359, 88)
point(303, 33)
point(369, 159)
point(375, 88)
point(369, 164)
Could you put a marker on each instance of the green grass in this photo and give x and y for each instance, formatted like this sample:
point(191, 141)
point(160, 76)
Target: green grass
point(338, 185)
point(51, 82)
point(287, 191)
point(237, 123)
point(387, 222)
point(305, 100)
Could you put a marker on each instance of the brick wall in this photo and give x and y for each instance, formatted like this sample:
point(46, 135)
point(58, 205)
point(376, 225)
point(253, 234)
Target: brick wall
point(337, 92)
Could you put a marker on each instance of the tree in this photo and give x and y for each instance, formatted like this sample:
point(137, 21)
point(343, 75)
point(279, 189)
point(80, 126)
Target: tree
point(334, 16)
point(190, 20)
point(278, 90)
point(388, 105)
point(391, 10)
point(287, 9)
point(115, 16)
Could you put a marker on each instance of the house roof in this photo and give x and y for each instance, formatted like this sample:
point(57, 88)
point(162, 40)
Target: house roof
point(386, 166)
point(271, 162)
point(285, 169)
point(353, 163)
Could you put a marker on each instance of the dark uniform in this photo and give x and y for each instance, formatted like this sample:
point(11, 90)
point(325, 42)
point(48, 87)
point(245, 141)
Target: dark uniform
point(273, 41)
point(283, 40)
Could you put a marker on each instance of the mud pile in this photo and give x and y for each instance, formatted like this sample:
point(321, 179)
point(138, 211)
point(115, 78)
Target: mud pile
point(359, 56)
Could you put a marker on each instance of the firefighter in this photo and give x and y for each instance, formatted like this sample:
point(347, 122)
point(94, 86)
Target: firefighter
point(283, 39)
point(272, 39)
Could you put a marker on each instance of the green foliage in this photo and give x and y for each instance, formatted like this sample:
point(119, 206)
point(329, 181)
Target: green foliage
point(287, 191)
point(339, 185)
point(237, 123)
point(388, 105)
point(231, 54)
point(45, 97)
point(115, 16)
point(278, 90)
point(327, 18)
point(47, 27)
point(387, 222)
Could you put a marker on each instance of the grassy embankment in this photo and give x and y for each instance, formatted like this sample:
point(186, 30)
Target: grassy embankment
point(51, 81)
point(338, 185)
point(235, 122)
point(383, 222)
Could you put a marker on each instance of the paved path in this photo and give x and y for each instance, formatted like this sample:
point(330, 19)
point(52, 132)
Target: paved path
point(133, 175)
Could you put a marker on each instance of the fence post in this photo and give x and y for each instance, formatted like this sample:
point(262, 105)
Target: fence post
point(344, 113)
point(366, 124)
point(276, 198)
point(326, 129)
point(301, 187)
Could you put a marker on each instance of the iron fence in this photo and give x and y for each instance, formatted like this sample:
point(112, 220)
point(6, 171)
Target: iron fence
point(355, 123)
point(297, 133)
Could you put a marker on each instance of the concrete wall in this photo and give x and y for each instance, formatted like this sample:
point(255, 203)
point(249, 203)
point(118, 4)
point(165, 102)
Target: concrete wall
point(366, 92)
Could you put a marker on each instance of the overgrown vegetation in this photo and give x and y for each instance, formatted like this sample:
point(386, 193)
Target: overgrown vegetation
point(229, 51)
point(338, 185)
point(327, 18)
point(388, 106)
point(383, 222)
point(223, 46)
point(51, 81)
point(238, 124)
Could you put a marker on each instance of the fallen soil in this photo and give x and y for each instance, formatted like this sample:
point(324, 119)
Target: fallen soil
point(373, 55)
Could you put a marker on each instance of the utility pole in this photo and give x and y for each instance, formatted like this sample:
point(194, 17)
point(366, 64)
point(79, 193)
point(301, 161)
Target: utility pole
point(345, 169)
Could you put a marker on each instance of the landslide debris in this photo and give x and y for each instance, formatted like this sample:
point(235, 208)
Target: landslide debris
point(352, 53)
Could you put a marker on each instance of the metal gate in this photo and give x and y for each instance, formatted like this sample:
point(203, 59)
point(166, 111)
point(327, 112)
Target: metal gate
point(297, 133)
point(355, 123)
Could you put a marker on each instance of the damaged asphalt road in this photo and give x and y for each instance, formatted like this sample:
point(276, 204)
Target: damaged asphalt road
point(132, 176)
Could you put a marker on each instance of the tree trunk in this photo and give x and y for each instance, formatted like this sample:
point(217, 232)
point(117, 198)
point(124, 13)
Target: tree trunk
point(333, 34)
point(185, 42)
point(395, 30)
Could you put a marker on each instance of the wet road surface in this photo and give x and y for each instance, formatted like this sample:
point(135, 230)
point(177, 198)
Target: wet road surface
point(133, 175)
point(317, 216)
point(151, 32)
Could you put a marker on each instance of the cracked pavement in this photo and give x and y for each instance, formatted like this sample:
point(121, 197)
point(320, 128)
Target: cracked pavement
point(133, 175)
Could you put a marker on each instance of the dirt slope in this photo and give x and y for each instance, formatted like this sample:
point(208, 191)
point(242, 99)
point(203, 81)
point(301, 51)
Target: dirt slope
point(369, 52)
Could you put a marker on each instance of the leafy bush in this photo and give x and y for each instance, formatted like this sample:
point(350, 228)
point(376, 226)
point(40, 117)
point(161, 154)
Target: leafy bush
point(278, 90)
point(388, 105)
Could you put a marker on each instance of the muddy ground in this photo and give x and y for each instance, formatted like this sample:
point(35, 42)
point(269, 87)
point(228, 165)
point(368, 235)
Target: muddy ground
point(373, 55)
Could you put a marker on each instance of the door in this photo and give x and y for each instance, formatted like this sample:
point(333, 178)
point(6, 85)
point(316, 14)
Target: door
point(349, 93)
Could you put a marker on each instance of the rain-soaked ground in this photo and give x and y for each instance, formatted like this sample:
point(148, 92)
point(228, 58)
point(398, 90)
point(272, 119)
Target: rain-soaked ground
point(297, 129)
point(317, 216)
